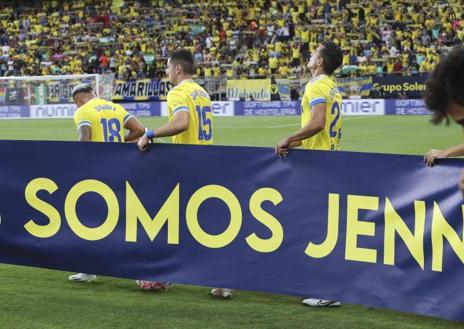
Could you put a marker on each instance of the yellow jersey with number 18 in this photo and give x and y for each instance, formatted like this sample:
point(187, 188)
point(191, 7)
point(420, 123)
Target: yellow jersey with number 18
point(105, 118)
point(190, 97)
point(323, 90)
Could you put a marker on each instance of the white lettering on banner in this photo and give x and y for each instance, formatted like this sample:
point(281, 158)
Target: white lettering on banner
point(363, 106)
point(53, 111)
point(219, 109)
point(409, 102)
point(269, 112)
point(136, 106)
point(412, 111)
point(139, 113)
point(270, 105)
point(222, 109)
point(137, 109)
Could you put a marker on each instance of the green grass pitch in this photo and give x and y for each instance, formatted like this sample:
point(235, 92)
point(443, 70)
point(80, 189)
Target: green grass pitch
point(36, 298)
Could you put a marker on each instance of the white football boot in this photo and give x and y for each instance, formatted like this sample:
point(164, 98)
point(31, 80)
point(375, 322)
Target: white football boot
point(316, 302)
point(83, 277)
point(222, 292)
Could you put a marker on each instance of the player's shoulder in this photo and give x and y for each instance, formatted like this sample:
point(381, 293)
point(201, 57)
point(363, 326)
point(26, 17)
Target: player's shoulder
point(181, 88)
point(174, 93)
point(320, 79)
point(321, 82)
point(82, 109)
point(198, 91)
point(188, 88)
point(79, 111)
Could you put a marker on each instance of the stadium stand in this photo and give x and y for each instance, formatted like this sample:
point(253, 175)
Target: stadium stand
point(233, 39)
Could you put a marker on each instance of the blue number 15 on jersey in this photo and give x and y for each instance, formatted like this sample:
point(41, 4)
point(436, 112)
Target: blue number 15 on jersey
point(205, 131)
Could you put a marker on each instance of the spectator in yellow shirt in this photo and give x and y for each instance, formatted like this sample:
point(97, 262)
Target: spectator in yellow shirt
point(296, 54)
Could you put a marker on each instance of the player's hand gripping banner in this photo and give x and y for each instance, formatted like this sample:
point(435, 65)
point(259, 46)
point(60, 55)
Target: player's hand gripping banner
point(372, 229)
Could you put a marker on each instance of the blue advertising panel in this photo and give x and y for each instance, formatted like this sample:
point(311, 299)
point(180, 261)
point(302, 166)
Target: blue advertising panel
point(399, 86)
point(228, 108)
point(14, 111)
point(274, 108)
point(143, 109)
point(406, 107)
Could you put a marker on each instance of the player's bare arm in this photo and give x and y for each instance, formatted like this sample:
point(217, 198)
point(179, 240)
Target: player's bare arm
point(432, 155)
point(179, 123)
point(314, 126)
point(136, 129)
point(85, 134)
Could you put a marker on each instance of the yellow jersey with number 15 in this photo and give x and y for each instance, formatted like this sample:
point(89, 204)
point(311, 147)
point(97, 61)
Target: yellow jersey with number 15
point(190, 97)
point(323, 90)
point(105, 118)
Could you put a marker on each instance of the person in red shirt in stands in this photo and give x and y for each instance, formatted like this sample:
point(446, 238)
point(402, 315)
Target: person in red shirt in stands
point(104, 62)
point(398, 66)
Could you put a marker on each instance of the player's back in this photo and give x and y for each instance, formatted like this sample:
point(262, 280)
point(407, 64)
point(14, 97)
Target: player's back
point(190, 97)
point(323, 89)
point(105, 118)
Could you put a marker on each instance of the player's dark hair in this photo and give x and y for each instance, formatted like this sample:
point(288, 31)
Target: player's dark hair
point(332, 56)
point(83, 88)
point(445, 84)
point(183, 58)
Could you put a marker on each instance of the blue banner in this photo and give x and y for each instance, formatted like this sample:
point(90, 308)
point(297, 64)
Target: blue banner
point(143, 109)
point(274, 108)
point(401, 86)
point(373, 229)
point(14, 111)
point(279, 108)
point(141, 90)
point(406, 107)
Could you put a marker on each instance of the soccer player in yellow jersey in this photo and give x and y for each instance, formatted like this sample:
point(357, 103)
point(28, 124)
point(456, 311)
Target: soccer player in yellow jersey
point(321, 119)
point(321, 113)
point(98, 120)
point(189, 106)
point(190, 116)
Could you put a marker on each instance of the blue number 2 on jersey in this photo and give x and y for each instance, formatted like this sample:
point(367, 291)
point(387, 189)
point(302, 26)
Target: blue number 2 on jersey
point(335, 109)
point(113, 127)
point(205, 131)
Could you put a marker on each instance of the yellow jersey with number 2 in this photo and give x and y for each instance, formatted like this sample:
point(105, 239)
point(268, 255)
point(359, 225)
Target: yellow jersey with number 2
point(323, 90)
point(190, 97)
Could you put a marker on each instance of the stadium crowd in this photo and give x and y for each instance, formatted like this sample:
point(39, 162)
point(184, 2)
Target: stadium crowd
point(235, 39)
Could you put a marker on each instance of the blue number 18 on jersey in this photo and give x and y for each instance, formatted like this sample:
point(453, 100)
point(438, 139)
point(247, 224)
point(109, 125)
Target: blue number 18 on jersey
point(113, 127)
